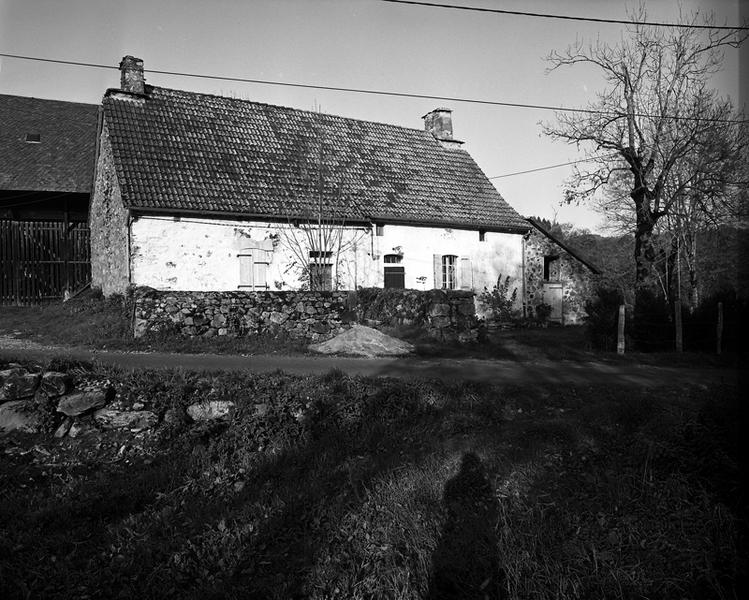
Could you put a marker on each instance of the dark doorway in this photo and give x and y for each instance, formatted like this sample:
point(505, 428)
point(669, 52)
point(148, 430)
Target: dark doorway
point(395, 273)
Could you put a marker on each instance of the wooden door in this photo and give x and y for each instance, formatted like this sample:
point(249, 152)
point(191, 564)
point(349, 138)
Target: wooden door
point(553, 295)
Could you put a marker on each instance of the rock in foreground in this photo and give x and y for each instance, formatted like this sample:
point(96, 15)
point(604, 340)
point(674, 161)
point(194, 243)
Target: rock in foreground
point(210, 411)
point(125, 419)
point(363, 341)
point(17, 416)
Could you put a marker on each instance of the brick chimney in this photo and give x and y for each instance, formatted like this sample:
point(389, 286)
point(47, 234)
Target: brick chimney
point(439, 123)
point(131, 75)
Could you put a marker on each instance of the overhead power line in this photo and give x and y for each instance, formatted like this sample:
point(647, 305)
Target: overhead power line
point(311, 86)
point(563, 17)
point(546, 168)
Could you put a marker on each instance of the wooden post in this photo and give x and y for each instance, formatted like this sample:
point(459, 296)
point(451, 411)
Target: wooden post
point(620, 338)
point(677, 322)
point(719, 328)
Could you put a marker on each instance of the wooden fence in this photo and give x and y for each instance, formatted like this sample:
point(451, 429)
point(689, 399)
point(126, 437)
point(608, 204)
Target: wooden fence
point(40, 260)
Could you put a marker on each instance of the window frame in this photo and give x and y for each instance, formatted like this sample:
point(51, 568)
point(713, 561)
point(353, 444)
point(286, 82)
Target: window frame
point(449, 271)
point(320, 261)
point(549, 260)
point(393, 269)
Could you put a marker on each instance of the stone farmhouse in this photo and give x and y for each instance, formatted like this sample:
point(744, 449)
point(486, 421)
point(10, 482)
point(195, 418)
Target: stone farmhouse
point(47, 150)
point(205, 193)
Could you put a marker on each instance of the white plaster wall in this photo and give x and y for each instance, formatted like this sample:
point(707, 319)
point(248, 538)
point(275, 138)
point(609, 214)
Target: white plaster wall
point(500, 253)
point(201, 254)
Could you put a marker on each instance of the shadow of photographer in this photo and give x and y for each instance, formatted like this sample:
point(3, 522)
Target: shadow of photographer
point(466, 562)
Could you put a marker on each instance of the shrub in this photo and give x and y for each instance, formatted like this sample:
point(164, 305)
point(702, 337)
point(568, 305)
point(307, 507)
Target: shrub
point(543, 312)
point(652, 328)
point(700, 326)
point(602, 318)
point(500, 301)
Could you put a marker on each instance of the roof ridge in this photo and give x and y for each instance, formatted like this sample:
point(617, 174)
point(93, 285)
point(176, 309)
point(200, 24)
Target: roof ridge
point(91, 105)
point(268, 104)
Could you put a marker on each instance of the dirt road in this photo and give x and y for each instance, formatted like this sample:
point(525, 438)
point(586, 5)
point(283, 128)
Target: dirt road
point(506, 372)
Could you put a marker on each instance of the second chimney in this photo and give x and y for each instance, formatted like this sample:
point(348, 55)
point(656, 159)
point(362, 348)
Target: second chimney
point(131, 75)
point(439, 123)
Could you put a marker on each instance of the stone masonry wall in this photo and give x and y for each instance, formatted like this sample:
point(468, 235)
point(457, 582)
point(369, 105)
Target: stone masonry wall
point(448, 315)
point(108, 225)
point(574, 276)
point(303, 315)
point(312, 316)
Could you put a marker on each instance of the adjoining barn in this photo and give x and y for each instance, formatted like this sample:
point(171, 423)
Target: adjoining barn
point(557, 275)
point(47, 150)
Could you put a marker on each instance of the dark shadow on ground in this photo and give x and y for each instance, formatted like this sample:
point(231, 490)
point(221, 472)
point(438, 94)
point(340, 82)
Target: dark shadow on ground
point(466, 561)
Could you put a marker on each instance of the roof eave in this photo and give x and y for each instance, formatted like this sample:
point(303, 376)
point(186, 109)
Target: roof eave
point(564, 247)
point(364, 221)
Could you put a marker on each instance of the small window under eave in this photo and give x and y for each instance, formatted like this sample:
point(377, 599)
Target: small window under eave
point(33, 138)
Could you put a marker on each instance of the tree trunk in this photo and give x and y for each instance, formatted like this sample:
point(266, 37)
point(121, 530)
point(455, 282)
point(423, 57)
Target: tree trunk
point(694, 296)
point(674, 293)
point(644, 251)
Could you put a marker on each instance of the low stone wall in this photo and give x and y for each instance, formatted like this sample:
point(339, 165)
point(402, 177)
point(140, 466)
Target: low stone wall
point(313, 316)
point(448, 315)
point(302, 315)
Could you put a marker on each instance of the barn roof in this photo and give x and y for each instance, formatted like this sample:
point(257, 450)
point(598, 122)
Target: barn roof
point(46, 145)
point(182, 151)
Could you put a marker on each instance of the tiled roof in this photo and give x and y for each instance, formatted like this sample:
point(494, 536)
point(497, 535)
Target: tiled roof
point(181, 151)
point(62, 160)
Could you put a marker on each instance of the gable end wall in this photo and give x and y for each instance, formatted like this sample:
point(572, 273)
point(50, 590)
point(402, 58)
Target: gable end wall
point(574, 276)
point(108, 221)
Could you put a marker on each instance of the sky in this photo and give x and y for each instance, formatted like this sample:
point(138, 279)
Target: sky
point(366, 44)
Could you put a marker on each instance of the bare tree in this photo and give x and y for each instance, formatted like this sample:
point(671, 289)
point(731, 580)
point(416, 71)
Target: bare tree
point(703, 192)
point(319, 213)
point(657, 129)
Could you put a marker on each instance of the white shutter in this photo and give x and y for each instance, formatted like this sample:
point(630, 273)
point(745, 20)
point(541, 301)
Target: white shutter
point(260, 276)
point(466, 274)
point(437, 262)
point(246, 276)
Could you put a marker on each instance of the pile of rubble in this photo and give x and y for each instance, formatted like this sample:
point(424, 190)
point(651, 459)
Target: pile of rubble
point(37, 400)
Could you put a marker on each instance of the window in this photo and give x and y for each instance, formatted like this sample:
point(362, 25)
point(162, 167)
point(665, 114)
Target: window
point(551, 268)
point(320, 270)
point(482, 235)
point(253, 269)
point(34, 138)
point(395, 274)
point(379, 230)
point(449, 265)
point(320, 277)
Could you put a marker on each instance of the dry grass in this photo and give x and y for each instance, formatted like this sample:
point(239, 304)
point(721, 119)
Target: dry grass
point(346, 487)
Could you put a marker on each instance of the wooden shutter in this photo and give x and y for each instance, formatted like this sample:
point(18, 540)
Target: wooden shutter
point(466, 274)
point(437, 261)
point(246, 275)
point(259, 273)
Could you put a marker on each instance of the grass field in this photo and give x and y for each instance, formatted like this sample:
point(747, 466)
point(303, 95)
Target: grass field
point(341, 487)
